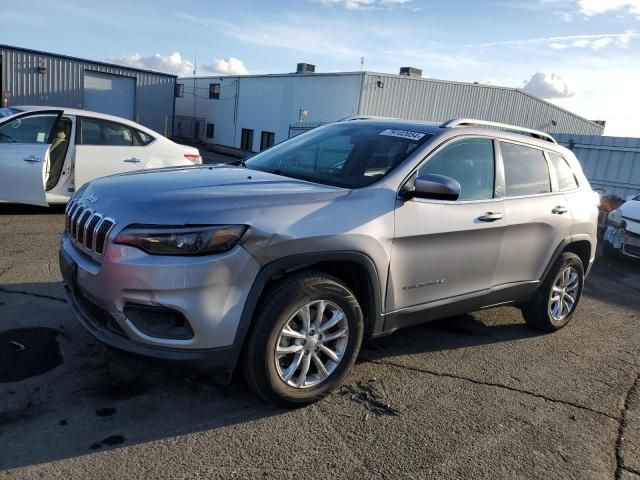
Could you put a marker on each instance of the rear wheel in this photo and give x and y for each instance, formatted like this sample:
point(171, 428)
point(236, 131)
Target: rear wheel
point(557, 298)
point(305, 340)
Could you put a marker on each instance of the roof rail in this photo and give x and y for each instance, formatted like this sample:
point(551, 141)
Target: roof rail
point(469, 122)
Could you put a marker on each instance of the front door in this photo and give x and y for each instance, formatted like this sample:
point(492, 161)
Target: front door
point(24, 155)
point(445, 249)
point(105, 148)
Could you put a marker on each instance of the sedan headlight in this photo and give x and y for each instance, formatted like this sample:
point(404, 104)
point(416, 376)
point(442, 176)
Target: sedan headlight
point(615, 218)
point(202, 240)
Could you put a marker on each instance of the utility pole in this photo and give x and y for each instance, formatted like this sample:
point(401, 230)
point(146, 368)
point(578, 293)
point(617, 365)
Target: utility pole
point(195, 69)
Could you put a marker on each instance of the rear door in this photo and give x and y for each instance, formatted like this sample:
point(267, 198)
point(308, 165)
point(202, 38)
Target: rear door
point(538, 216)
point(104, 148)
point(24, 146)
point(445, 249)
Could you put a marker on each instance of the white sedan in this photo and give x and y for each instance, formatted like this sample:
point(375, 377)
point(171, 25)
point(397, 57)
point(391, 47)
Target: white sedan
point(47, 153)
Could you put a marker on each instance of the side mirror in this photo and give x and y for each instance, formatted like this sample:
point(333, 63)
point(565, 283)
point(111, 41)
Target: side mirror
point(436, 187)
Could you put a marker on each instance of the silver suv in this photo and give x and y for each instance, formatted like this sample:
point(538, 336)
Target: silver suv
point(283, 265)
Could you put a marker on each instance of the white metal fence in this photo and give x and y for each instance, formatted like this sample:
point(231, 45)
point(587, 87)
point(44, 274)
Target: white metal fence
point(610, 163)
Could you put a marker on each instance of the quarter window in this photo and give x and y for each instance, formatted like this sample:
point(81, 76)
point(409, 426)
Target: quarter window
point(525, 170)
point(214, 91)
point(470, 162)
point(564, 174)
point(103, 132)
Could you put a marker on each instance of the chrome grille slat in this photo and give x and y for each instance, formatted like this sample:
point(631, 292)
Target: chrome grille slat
point(87, 228)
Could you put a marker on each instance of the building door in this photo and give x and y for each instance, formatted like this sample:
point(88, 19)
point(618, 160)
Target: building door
point(112, 94)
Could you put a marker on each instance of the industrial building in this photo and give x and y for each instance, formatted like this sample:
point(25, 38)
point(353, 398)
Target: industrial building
point(251, 112)
point(30, 77)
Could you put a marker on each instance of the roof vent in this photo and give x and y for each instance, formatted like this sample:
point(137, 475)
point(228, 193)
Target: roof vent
point(411, 72)
point(305, 68)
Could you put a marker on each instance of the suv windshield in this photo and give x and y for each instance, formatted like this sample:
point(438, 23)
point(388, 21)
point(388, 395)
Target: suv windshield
point(343, 154)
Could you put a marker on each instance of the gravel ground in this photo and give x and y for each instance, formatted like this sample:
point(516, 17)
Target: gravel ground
point(476, 396)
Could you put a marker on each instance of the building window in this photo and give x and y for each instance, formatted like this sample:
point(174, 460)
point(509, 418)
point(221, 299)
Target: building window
point(210, 130)
point(179, 89)
point(214, 91)
point(267, 140)
point(246, 141)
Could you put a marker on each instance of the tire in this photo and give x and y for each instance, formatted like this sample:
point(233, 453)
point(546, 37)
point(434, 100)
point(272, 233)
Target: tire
point(609, 251)
point(539, 313)
point(274, 376)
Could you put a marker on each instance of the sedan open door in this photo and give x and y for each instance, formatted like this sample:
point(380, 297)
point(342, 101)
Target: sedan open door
point(25, 139)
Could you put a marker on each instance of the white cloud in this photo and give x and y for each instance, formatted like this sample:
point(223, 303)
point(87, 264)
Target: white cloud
point(364, 4)
point(229, 66)
point(172, 63)
point(595, 42)
point(547, 85)
point(596, 7)
point(570, 41)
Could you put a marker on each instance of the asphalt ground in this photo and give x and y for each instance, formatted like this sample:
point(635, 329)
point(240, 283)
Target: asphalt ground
point(479, 396)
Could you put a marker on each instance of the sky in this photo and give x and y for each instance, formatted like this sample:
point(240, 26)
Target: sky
point(583, 55)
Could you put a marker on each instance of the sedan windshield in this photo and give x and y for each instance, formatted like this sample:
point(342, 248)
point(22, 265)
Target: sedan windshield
point(344, 154)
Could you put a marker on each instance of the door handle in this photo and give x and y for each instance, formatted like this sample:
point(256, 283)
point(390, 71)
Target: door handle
point(490, 217)
point(559, 210)
point(132, 160)
point(32, 158)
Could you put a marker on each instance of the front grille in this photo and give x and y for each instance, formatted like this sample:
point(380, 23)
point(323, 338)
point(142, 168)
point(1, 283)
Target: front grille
point(631, 249)
point(87, 228)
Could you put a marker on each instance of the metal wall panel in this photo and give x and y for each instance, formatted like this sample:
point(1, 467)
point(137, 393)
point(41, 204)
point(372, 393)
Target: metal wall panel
point(612, 163)
point(438, 100)
point(62, 84)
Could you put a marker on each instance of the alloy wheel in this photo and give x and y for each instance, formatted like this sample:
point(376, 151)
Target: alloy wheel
point(564, 294)
point(311, 344)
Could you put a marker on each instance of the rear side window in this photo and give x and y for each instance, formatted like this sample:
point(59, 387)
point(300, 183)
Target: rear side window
point(103, 132)
point(564, 174)
point(470, 162)
point(525, 170)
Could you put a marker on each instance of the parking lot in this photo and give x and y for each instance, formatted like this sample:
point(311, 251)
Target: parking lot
point(476, 396)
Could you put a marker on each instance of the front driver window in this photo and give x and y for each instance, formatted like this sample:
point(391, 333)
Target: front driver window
point(470, 162)
point(31, 129)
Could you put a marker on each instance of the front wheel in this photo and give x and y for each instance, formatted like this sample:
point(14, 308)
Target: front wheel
point(557, 298)
point(305, 340)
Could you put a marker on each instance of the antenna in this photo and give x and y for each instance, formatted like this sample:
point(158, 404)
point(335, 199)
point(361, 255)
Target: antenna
point(361, 64)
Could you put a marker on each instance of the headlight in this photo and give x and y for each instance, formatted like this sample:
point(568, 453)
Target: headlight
point(615, 218)
point(183, 241)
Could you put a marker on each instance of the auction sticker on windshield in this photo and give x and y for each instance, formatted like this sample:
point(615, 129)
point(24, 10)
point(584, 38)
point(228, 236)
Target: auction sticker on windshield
point(402, 134)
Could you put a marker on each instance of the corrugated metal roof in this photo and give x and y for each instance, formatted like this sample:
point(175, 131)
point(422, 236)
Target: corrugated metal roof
point(612, 163)
point(77, 59)
point(440, 100)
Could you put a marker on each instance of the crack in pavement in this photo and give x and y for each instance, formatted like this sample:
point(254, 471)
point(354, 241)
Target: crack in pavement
point(622, 426)
point(498, 385)
point(31, 294)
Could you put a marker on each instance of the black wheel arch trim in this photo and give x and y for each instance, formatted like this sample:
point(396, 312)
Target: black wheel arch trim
point(561, 248)
point(290, 264)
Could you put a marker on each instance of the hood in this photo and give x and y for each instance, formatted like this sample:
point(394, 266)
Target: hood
point(193, 194)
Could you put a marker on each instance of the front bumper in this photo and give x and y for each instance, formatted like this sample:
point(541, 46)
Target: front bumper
point(209, 291)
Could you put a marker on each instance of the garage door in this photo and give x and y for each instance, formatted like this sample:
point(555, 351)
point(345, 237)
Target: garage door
point(112, 94)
